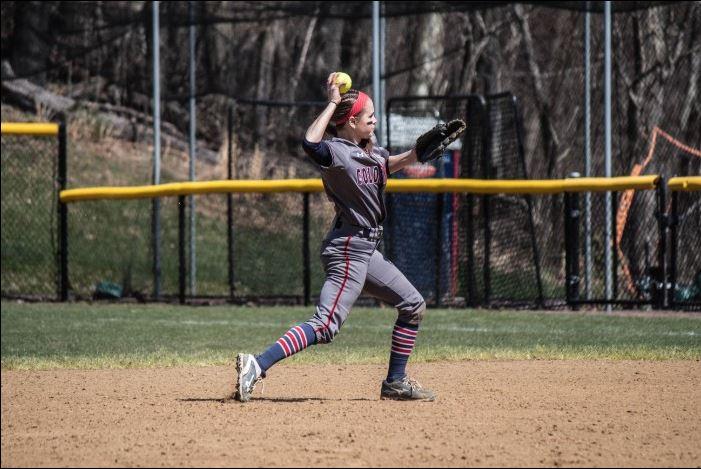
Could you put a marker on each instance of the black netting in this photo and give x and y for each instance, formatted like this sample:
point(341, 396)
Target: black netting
point(514, 273)
point(425, 232)
point(487, 251)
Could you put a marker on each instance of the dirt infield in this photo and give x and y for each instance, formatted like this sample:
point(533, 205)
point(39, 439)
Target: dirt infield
point(488, 413)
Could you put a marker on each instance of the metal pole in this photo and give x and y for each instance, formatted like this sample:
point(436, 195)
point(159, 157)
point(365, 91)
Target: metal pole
point(567, 203)
point(383, 81)
point(572, 215)
point(230, 204)
point(156, 205)
point(587, 154)
point(474, 115)
point(470, 280)
point(193, 150)
point(62, 214)
point(486, 206)
point(376, 93)
point(182, 274)
point(439, 246)
point(305, 249)
point(662, 284)
point(487, 274)
point(607, 162)
point(674, 246)
point(614, 243)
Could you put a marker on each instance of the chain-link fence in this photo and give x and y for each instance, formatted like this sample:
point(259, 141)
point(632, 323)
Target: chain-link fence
point(685, 250)
point(458, 249)
point(112, 246)
point(29, 216)
point(620, 283)
point(658, 267)
point(245, 246)
point(275, 236)
point(510, 249)
point(667, 157)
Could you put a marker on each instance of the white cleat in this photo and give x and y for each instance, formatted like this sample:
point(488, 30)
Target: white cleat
point(248, 374)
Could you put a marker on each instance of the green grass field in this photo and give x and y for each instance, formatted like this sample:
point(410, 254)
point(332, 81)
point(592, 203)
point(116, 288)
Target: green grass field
point(79, 335)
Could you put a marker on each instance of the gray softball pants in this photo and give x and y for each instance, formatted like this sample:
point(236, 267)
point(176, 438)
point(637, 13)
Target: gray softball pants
point(353, 264)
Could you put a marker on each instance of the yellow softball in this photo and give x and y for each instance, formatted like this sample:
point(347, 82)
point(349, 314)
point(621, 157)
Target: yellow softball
point(343, 80)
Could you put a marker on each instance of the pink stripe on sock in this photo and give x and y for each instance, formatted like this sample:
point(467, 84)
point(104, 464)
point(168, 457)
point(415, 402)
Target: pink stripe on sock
point(301, 333)
point(402, 344)
point(404, 339)
point(405, 331)
point(401, 351)
point(295, 334)
point(284, 346)
point(293, 341)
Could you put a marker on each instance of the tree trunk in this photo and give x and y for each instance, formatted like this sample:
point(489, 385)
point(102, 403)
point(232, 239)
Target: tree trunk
point(430, 47)
point(550, 139)
point(30, 52)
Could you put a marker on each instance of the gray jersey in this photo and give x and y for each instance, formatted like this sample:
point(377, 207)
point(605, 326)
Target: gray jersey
point(355, 182)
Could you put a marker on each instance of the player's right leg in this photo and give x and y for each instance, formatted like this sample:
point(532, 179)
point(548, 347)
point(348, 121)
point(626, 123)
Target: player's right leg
point(345, 262)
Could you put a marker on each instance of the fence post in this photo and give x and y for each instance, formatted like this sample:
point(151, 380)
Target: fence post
point(475, 114)
point(305, 250)
point(661, 297)
point(486, 159)
point(387, 238)
point(572, 215)
point(439, 246)
point(230, 203)
point(470, 281)
point(182, 274)
point(674, 240)
point(614, 248)
point(62, 213)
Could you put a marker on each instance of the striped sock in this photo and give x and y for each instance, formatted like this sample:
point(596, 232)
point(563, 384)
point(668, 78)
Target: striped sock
point(296, 339)
point(403, 339)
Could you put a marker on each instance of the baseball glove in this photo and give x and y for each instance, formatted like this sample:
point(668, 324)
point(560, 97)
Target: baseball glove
point(433, 143)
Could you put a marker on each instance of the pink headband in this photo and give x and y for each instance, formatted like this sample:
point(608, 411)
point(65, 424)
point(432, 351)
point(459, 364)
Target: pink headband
point(355, 110)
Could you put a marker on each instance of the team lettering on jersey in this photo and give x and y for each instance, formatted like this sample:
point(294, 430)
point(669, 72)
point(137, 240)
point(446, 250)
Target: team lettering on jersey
point(366, 176)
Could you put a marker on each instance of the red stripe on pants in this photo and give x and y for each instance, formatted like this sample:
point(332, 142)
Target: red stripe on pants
point(343, 285)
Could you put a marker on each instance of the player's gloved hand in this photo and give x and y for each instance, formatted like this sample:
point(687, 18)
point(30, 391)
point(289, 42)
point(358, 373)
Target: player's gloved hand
point(433, 143)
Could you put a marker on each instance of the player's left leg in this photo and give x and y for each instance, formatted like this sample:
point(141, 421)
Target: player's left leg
point(345, 261)
point(386, 282)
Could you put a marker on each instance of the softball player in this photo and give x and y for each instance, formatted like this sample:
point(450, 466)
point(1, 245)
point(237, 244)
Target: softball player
point(354, 173)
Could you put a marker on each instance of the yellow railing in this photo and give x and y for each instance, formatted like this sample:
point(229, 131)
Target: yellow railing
point(41, 129)
point(688, 183)
point(522, 186)
point(474, 186)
